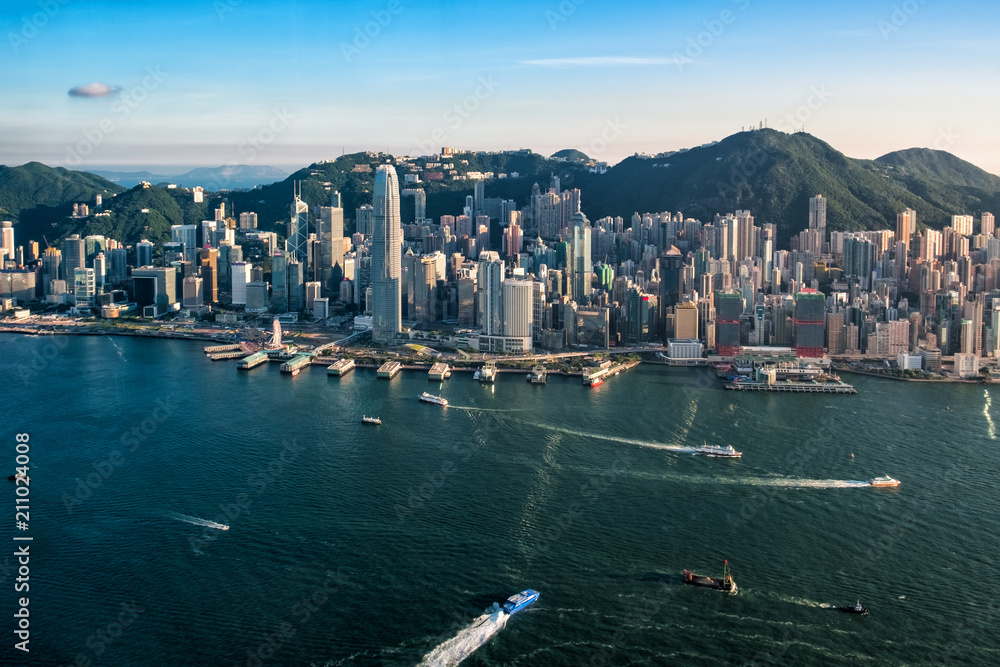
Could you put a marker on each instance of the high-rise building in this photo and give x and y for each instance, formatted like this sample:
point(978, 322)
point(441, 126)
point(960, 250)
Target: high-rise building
point(962, 224)
point(209, 262)
point(906, 226)
point(518, 313)
point(248, 220)
point(817, 212)
point(199, 194)
point(144, 253)
point(193, 296)
point(810, 324)
point(364, 220)
point(188, 235)
point(490, 276)
point(686, 320)
point(298, 227)
point(240, 272)
point(581, 265)
point(7, 239)
point(986, 223)
point(208, 228)
point(74, 256)
point(386, 272)
point(728, 310)
point(84, 287)
point(330, 231)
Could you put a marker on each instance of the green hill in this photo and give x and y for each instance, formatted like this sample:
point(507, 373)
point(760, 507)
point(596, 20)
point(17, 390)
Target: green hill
point(571, 154)
point(35, 195)
point(770, 173)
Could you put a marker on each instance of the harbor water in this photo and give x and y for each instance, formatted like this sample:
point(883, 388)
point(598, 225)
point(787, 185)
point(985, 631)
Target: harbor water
point(353, 544)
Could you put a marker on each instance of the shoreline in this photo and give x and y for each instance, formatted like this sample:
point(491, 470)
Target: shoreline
point(57, 329)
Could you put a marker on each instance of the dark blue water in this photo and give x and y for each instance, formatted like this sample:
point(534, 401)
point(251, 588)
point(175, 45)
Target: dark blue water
point(359, 545)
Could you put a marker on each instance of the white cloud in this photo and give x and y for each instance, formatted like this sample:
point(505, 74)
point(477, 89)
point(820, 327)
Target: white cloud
point(96, 89)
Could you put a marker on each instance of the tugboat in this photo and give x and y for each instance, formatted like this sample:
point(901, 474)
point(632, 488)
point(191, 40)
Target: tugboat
point(370, 420)
point(725, 584)
point(516, 603)
point(856, 609)
point(884, 481)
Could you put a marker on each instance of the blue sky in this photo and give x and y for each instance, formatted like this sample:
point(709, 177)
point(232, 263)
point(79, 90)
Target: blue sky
point(237, 81)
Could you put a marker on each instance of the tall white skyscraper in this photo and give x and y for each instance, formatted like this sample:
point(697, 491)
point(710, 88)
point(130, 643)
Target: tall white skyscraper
point(817, 212)
point(581, 266)
point(240, 279)
point(986, 224)
point(7, 239)
point(490, 277)
point(962, 224)
point(387, 238)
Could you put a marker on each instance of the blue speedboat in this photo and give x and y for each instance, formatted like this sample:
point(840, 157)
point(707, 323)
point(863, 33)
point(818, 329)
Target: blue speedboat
point(516, 603)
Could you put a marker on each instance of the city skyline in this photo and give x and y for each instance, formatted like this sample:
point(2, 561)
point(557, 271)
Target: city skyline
point(100, 85)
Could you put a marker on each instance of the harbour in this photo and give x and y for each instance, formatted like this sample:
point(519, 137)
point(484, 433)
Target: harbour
point(514, 476)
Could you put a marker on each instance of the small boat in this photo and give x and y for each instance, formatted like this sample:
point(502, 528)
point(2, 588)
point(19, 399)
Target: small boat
point(714, 450)
point(856, 609)
point(223, 527)
point(725, 584)
point(17, 476)
point(884, 481)
point(370, 420)
point(296, 372)
point(516, 603)
point(431, 398)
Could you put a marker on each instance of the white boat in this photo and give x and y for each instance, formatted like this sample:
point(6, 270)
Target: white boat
point(488, 373)
point(370, 420)
point(714, 450)
point(431, 398)
point(884, 481)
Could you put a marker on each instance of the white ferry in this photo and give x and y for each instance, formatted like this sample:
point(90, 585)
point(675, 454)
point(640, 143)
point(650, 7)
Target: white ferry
point(431, 398)
point(713, 450)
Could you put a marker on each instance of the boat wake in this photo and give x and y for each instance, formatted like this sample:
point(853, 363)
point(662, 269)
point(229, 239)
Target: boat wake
point(117, 349)
point(462, 645)
point(680, 449)
point(195, 521)
point(989, 419)
point(806, 483)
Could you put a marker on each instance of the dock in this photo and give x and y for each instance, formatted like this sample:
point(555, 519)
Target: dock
point(537, 375)
point(296, 364)
point(340, 367)
point(253, 361)
point(213, 349)
point(233, 354)
point(389, 369)
point(795, 387)
point(439, 371)
point(595, 376)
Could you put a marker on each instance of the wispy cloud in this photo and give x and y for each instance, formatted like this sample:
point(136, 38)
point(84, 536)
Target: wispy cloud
point(95, 89)
point(597, 61)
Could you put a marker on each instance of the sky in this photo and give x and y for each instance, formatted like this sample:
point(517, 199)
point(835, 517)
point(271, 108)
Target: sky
point(174, 85)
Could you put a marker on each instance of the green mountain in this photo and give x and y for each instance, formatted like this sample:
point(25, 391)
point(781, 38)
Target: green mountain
point(35, 195)
point(774, 174)
point(770, 173)
point(940, 178)
point(140, 213)
point(571, 154)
